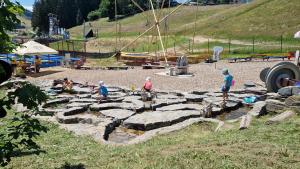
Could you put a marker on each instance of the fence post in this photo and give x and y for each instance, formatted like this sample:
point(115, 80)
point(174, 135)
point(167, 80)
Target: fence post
point(190, 45)
point(208, 46)
point(253, 45)
point(175, 48)
point(281, 43)
point(229, 46)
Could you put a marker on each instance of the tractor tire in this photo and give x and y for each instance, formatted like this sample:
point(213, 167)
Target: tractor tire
point(279, 71)
point(8, 71)
point(264, 73)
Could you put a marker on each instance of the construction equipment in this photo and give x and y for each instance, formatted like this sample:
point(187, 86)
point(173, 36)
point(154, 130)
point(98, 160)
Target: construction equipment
point(281, 75)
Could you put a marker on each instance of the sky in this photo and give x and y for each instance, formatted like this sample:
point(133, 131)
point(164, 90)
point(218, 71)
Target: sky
point(28, 3)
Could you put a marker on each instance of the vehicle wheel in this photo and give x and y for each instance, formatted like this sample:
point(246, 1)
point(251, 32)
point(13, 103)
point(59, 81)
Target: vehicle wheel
point(280, 71)
point(264, 73)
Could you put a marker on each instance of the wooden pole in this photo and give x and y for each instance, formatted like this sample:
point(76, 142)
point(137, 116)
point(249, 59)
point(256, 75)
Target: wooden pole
point(116, 13)
point(281, 43)
point(158, 31)
point(150, 28)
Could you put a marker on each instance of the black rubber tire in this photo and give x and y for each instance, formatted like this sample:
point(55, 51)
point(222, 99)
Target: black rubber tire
point(3, 112)
point(8, 69)
point(288, 69)
point(264, 73)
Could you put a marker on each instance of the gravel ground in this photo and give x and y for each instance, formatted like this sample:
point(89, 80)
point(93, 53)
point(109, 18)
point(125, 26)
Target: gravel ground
point(206, 76)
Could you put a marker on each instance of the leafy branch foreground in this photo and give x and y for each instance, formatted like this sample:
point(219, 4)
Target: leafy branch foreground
point(18, 132)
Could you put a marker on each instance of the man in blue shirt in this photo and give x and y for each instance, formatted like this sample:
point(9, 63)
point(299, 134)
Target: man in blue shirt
point(103, 92)
point(227, 83)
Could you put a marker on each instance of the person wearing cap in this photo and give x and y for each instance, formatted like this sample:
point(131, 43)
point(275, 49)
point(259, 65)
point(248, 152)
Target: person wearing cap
point(227, 83)
point(67, 84)
point(148, 85)
point(103, 92)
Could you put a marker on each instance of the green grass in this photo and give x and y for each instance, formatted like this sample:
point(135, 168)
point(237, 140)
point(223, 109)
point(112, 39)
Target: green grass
point(111, 61)
point(261, 146)
point(263, 19)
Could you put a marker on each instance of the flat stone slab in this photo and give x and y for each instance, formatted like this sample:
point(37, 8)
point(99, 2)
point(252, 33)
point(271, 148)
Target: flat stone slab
point(55, 102)
point(73, 111)
point(120, 114)
point(281, 117)
point(114, 89)
point(164, 102)
point(194, 97)
point(181, 107)
point(80, 90)
point(289, 91)
point(80, 118)
point(74, 104)
point(130, 98)
point(259, 108)
point(83, 101)
point(167, 96)
point(50, 112)
point(275, 106)
point(84, 96)
point(65, 96)
point(157, 119)
point(107, 106)
point(293, 101)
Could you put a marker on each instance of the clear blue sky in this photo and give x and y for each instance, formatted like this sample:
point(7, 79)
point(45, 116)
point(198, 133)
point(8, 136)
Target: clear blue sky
point(28, 3)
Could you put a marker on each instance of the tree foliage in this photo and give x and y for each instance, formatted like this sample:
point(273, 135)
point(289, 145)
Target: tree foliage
point(8, 20)
point(18, 131)
point(70, 12)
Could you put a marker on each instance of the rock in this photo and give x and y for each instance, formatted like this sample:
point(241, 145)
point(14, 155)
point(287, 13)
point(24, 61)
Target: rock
point(106, 106)
point(259, 108)
point(84, 96)
point(75, 104)
point(73, 111)
point(130, 98)
point(57, 87)
point(249, 84)
point(293, 101)
point(245, 122)
point(194, 97)
point(176, 107)
point(81, 118)
point(220, 125)
point(199, 92)
point(214, 94)
point(274, 96)
point(65, 96)
point(275, 106)
point(55, 102)
point(80, 90)
point(167, 96)
point(120, 114)
point(157, 119)
point(280, 117)
point(49, 112)
point(114, 89)
point(164, 102)
point(83, 101)
point(289, 91)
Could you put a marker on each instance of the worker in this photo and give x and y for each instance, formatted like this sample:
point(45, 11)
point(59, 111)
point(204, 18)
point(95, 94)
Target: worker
point(148, 85)
point(37, 63)
point(67, 85)
point(228, 79)
point(102, 91)
point(14, 65)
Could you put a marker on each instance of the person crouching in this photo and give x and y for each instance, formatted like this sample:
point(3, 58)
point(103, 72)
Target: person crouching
point(102, 91)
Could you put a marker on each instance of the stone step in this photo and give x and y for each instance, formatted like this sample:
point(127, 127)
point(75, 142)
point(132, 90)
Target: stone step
point(157, 119)
point(165, 102)
point(73, 111)
point(75, 104)
point(107, 106)
point(80, 118)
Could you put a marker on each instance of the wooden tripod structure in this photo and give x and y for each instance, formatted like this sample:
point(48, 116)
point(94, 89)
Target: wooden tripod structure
point(156, 24)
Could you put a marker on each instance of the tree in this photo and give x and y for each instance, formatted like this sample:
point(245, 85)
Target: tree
point(8, 20)
point(107, 9)
point(18, 132)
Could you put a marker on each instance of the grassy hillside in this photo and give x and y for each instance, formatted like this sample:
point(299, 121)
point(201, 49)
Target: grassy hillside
point(262, 18)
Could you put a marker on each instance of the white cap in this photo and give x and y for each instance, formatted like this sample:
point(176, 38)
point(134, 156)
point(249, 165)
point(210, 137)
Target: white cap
point(101, 83)
point(148, 78)
point(225, 71)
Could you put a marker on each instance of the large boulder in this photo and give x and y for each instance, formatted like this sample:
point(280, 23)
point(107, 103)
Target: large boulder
point(157, 119)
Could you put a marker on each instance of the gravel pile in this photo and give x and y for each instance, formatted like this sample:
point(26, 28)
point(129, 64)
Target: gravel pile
point(206, 76)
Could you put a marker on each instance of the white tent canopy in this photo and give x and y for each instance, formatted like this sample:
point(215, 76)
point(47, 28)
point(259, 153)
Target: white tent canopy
point(34, 48)
point(297, 35)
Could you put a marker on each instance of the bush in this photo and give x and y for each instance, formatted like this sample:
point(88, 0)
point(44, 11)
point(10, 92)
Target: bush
point(94, 15)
